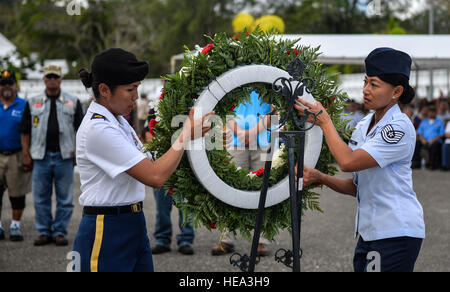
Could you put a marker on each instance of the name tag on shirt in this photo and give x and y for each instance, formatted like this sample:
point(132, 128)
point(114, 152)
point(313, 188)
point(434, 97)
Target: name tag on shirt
point(68, 103)
point(16, 114)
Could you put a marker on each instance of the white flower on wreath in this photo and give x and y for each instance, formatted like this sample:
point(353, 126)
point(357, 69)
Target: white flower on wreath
point(184, 71)
point(198, 50)
point(277, 160)
point(154, 103)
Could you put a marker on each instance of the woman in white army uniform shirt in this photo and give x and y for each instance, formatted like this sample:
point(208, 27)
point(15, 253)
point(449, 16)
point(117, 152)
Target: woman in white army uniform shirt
point(389, 217)
point(113, 170)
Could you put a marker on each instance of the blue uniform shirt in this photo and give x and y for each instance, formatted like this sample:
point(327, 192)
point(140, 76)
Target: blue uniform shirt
point(430, 129)
point(387, 204)
point(10, 119)
point(247, 118)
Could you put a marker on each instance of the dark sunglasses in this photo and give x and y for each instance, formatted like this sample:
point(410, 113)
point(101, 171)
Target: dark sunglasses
point(52, 76)
point(8, 81)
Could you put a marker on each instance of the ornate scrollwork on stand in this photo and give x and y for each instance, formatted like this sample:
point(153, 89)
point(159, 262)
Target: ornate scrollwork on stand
point(291, 89)
point(241, 261)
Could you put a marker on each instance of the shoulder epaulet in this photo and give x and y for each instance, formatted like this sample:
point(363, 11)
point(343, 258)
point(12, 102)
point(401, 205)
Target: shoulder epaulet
point(98, 116)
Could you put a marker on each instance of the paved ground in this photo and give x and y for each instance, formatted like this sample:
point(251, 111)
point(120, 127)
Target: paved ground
point(327, 239)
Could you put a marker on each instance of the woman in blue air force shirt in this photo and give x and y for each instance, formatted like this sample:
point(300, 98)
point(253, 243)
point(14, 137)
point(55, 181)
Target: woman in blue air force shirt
point(389, 217)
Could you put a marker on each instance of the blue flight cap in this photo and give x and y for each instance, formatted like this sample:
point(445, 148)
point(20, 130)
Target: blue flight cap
point(388, 61)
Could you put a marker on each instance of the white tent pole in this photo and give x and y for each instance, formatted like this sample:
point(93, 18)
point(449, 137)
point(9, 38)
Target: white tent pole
point(416, 99)
point(448, 82)
point(431, 31)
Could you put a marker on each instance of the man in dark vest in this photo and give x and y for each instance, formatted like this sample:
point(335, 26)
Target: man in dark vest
point(48, 131)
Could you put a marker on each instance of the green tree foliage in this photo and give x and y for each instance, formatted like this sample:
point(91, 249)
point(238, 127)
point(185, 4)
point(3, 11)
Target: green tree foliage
point(43, 27)
point(323, 16)
point(155, 30)
point(419, 23)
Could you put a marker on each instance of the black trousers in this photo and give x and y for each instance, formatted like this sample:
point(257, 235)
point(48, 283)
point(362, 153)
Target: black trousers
point(397, 254)
point(434, 151)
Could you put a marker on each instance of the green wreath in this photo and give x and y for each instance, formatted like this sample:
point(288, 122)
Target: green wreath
point(180, 93)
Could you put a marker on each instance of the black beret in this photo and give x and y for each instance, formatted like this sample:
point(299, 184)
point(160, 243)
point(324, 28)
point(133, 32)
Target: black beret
point(118, 67)
point(388, 61)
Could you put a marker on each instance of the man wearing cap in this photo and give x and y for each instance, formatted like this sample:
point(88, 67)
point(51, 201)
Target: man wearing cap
point(48, 131)
point(12, 175)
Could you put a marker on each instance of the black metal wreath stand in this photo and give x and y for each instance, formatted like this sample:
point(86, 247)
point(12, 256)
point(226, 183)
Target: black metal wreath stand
point(291, 89)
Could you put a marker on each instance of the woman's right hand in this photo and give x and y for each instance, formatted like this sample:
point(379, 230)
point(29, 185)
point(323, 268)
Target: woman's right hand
point(194, 129)
point(322, 118)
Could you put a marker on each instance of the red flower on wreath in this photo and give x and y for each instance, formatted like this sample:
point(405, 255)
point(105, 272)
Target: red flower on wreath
point(151, 126)
point(236, 37)
point(170, 192)
point(232, 108)
point(333, 98)
point(162, 95)
point(259, 172)
point(212, 225)
point(206, 49)
point(294, 51)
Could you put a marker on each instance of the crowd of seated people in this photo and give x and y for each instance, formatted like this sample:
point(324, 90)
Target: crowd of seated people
point(432, 122)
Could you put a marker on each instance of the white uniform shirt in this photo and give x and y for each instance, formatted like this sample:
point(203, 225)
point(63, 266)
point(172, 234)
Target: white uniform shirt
point(105, 150)
point(387, 204)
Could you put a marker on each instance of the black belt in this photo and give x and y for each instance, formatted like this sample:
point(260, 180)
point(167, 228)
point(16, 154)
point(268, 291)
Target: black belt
point(135, 208)
point(10, 152)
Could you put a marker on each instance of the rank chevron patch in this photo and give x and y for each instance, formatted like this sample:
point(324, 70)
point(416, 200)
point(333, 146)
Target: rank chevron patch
point(390, 135)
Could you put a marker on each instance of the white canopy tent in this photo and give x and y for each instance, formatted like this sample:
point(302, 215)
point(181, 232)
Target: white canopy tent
point(8, 49)
point(427, 51)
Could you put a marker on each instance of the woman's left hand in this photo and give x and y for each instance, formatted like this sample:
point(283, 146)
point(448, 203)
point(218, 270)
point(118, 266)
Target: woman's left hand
point(322, 118)
point(310, 176)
